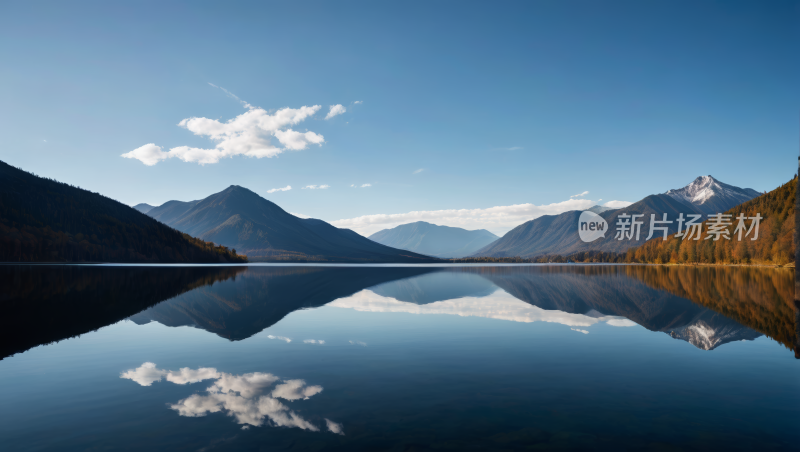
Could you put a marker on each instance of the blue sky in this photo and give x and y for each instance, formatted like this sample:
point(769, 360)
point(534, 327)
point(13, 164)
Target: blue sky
point(498, 103)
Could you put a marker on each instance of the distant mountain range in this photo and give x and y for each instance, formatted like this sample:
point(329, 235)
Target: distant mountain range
point(144, 208)
point(558, 234)
point(240, 219)
point(595, 209)
point(42, 220)
point(433, 240)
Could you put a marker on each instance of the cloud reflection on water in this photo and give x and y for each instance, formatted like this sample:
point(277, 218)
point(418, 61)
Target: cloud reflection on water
point(244, 397)
point(499, 305)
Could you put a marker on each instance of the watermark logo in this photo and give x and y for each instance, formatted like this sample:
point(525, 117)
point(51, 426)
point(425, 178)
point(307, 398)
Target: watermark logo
point(591, 226)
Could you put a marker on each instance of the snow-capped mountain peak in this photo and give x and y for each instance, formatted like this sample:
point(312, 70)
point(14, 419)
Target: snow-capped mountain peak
point(698, 191)
point(712, 196)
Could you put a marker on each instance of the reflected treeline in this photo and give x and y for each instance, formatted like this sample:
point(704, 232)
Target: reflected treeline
point(760, 298)
point(43, 303)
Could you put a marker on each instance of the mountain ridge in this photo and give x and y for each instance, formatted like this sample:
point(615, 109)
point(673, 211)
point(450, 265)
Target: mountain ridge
point(241, 219)
point(558, 234)
point(434, 240)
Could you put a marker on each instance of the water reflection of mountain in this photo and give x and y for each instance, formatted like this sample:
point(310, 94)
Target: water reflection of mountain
point(262, 296)
point(439, 286)
point(761, 298)
point(611, 291)
point(43, 304)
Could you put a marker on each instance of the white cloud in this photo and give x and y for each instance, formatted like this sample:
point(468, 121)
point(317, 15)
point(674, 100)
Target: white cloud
point(239, 396)
point(145, 375)
point(316, 187)
point(249, 134)
point(617, 204)
point(297, 141)
point(187, 375)
point(621, 322)
point(579, 330)
point(149, 154)
point(358, 102)
point(366, 185)
point(499, 219)
point(231, 95)
point(363, 344)
point(334, 427)
point(314, 341)
point(335, 110)
point(247, 385)
point(295, 390)
point(280, 338)
point(500, 305)
point(580, 194)
point(286, 188)
point(418, 171)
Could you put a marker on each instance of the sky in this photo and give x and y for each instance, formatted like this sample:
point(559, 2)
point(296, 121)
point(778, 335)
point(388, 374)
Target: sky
point(481, 115)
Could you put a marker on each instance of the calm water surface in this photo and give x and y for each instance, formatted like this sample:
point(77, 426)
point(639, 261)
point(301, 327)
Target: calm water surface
point(398, 358)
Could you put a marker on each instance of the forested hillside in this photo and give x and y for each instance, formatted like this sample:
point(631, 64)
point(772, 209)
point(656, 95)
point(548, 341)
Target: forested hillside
point(773, 246)
point(42, 220)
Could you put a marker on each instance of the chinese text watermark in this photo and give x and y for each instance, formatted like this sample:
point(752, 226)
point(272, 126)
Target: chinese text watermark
point(592, 226)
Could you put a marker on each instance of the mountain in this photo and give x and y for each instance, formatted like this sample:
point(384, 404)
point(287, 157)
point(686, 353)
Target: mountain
point(710, 196)
point(42, 220)
point(775, 244)
point(240, 219)
point(171, 210)
point(144, 208)
point(434, 240)
point(599, 209)
point(558, 234)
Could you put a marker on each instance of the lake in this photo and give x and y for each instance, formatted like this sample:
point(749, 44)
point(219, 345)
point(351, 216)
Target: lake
point(398, 358)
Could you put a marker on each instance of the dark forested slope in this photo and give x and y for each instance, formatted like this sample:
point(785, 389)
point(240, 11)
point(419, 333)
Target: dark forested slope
point(42, 220)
